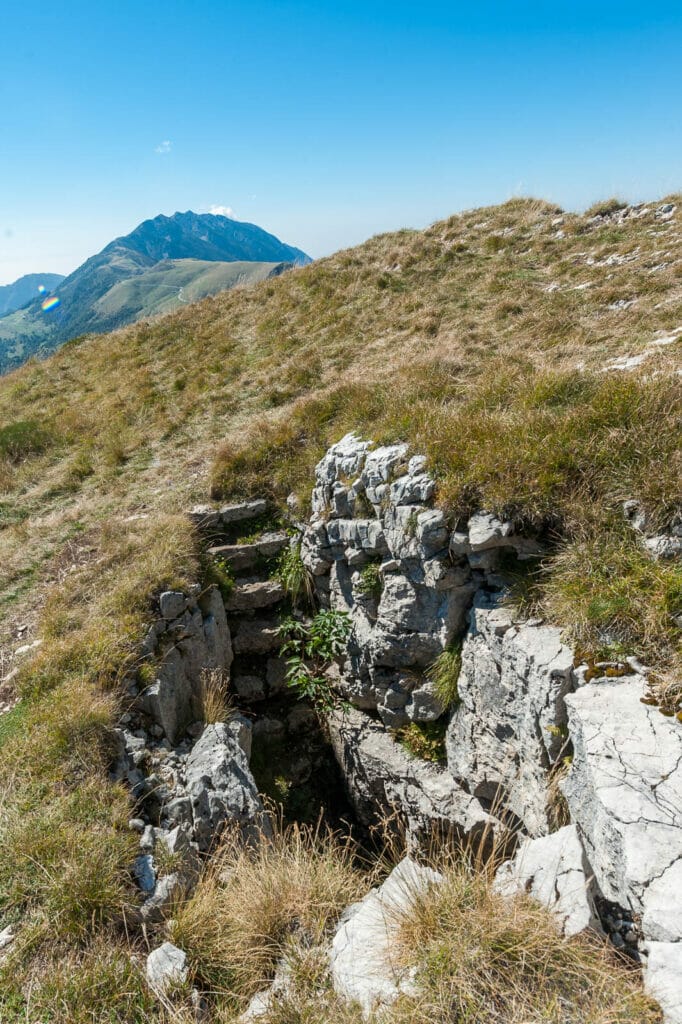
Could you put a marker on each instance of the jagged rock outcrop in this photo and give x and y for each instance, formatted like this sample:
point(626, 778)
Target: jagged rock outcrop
point(365, 955)
point(379, 551)
point(384, 779)
point(190, 636)
point(509, 728)
point(220, 786)
point(624, 791)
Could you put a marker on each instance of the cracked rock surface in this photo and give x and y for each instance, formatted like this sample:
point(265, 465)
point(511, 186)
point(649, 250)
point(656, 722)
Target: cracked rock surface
point(507, 731)
point(554, 871)
point(624, 792)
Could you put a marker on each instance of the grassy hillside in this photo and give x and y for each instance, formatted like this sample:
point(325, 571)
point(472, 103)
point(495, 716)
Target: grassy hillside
point(485, 341)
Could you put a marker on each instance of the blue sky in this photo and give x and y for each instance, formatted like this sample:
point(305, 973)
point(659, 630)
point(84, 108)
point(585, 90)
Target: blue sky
point(323, 122)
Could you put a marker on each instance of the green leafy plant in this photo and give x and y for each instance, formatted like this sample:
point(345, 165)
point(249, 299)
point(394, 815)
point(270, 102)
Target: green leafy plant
point(309, 649)
point(424, 739)
point(444, 674)
point(294, 577)
point(371, 581)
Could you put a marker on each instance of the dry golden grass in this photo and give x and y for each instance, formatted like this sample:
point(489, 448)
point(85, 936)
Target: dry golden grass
point(214, 696)
point(253, 904)
point(481, 958)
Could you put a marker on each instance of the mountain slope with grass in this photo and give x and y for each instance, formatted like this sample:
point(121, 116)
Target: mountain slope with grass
point(533, 356)
point(156, 268)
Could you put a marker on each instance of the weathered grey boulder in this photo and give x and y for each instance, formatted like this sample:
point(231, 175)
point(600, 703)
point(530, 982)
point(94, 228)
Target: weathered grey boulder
point(663, 978)
point(365, 965)
point(383, 778)
point(507, 730)
point(198, 639)
point(554, 871)
point(254, 594)
point(166, 968)
point(221, 787)
point(172, 604)
point(624, 791)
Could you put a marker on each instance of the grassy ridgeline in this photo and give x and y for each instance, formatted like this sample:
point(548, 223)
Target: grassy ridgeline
point(482, 341)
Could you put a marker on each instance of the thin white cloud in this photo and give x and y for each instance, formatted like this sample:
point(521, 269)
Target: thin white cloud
point(222, 211)
point(164, 147)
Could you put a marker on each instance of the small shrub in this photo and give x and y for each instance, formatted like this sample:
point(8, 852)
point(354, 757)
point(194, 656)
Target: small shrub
point(294, 577)
point(444, 674)
point(310, 649)
point(20, 440)
point(424, 739)
point(371, 581)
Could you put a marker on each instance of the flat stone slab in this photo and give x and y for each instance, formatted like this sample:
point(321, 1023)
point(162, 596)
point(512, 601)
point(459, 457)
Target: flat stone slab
point(553, 870)
point(257, 594)
point(256, 636)
point(243, 510)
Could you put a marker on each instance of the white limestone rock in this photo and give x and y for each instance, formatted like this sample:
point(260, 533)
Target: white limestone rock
point(198, 639)
point(506, 732)
point(554, 871)
point(166, 968)
point(663, 978)
point(221, 787)
point(624, 792)
point(382, 777)
point(364, 960)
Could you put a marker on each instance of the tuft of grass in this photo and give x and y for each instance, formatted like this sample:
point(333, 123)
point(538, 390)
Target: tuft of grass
point(444, 673)
point(98, 982)
point(604, 207)
point(214, 696)
point(250, 903)
point(294, 577)
point(22, 439)
point(477, 956)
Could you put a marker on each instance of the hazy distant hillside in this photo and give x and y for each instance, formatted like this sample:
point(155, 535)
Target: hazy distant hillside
point(14, 296)
point(100, 294)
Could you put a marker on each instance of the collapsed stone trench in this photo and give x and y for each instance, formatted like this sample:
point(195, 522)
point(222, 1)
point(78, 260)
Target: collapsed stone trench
point(613, 864)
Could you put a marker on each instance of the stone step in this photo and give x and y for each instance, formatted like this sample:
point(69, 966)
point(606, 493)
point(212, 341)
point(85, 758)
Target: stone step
point(205, 517)
point(254, 594)
point(256, 636)
point(245, 556)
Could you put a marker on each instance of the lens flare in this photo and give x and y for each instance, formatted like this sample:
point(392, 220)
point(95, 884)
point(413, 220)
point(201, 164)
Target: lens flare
point(41, 289)
point(48, 304)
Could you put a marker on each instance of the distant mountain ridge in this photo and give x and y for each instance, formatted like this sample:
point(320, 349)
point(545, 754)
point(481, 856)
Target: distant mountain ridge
point(162, 264)
point(24, 289)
